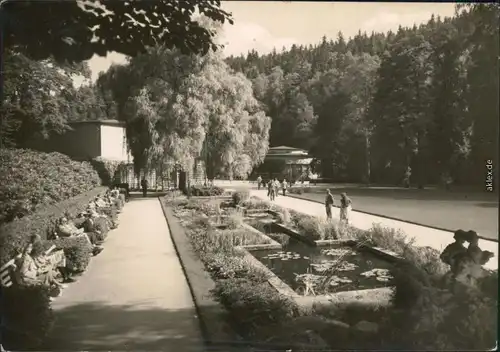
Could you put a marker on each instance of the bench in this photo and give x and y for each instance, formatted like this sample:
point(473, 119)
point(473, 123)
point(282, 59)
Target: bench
point(7, 270)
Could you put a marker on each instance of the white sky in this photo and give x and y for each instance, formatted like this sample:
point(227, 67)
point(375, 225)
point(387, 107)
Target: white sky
point(263, 25)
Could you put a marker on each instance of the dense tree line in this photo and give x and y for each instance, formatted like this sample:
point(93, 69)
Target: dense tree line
point(420, 103)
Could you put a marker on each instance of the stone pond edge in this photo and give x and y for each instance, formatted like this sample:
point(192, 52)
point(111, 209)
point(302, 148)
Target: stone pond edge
point(366, 297)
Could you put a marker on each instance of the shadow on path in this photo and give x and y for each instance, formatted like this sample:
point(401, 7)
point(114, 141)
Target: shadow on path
point(97, 326)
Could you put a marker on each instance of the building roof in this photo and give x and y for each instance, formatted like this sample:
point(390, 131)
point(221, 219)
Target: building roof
point(283, 147)
point(306, 161)
point(286, 151)
point(100, 122)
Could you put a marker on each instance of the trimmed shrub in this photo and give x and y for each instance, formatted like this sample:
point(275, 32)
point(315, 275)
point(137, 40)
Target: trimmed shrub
point(252, 306)
point(446, 318)
point(106, 169)
point(240, 197)
point(206, 191)
point(223, 267)
point(15, 235)
point(254, 203)
point(27, 317)
point(31, 180)
point(77, 250)
point(310, 227)
point(102, 225)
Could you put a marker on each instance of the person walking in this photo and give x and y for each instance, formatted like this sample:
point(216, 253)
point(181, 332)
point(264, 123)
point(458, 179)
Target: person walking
point(345, 208)
point(284, 186)
point(276, 185)
point(144, 186)
point(259, 182)
point(270, 189)
point(328, 204)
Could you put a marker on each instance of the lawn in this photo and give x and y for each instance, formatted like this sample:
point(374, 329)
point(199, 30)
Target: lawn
point(436, 208)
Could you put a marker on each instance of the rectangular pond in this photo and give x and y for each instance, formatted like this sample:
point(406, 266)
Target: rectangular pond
point(328, 269)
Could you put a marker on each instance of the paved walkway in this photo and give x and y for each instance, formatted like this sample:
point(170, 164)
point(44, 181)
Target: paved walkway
point(134, 295)
point(424, 236)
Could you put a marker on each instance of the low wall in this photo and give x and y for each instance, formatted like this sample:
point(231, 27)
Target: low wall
point(371, 297)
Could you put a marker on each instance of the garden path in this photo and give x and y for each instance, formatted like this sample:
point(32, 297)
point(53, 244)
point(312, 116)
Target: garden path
point(134, 295)
point(424, 236)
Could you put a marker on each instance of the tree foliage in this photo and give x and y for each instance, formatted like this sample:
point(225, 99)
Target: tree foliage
point(74, 30)
point(40, 98)
point(181, 107)
point(421, 101)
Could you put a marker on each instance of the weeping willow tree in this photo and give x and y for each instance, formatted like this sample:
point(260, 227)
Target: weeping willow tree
point(180, 108)
point(237, 131)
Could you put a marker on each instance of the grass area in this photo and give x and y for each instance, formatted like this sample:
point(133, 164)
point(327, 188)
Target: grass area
point(436, 208)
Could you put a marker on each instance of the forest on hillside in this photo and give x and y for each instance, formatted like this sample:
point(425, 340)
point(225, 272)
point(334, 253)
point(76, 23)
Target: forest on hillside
point(420, 103)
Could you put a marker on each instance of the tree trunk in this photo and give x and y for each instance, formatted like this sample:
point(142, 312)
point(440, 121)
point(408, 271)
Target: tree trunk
point(419, 163)
point(368, 158)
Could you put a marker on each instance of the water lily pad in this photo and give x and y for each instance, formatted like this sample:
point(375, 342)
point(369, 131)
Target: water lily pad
point(311, 279)
point(336, 281)
point(375, 272)
point(382, 275)
point(384, 278)
point(337, 252)
point(346, 266)
point(322, 267)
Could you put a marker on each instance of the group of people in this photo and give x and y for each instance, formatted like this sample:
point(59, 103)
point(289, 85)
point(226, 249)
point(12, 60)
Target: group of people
point(39, 267)
point(345, 206)
point(273, 187)
point(465, 262)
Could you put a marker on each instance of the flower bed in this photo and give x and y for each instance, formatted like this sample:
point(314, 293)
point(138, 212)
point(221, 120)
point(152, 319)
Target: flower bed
point(255, 309)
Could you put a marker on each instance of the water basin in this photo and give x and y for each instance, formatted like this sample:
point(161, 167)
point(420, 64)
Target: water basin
point(326, 269)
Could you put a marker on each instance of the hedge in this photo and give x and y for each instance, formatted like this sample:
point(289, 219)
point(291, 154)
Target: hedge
point(27, 317)
point(32, 180)
point(78, 252)
point(14, 235)
point(106, 169)
point(205, 191)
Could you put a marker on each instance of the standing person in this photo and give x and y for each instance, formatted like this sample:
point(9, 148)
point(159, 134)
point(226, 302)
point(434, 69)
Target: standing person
point(345, 207)
point(270, 190)
point(328, 204)
point(284, 186)
point(144, 186)
point(259, 181)
point(276, 185)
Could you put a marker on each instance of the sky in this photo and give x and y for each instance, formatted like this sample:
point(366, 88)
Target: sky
point(266, 25)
